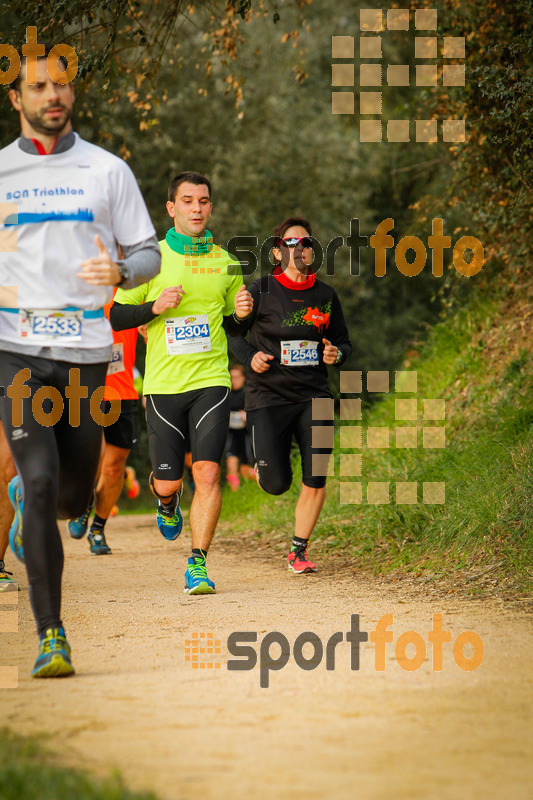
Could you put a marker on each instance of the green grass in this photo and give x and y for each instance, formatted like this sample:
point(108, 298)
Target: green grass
point(30, 772)
point(486, 522)
point(487, 519)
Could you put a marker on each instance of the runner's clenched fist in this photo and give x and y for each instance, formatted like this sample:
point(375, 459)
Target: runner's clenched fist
point(243, 303)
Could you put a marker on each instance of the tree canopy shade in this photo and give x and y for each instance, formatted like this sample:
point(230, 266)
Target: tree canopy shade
point(126, 35)
point(491, 175)
point(122, 45)
point(173, 86)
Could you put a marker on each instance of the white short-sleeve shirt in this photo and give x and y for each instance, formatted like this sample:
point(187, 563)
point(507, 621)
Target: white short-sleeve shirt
point(51, 208)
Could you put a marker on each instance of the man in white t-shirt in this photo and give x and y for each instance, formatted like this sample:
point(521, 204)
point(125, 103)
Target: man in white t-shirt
point(65, 207)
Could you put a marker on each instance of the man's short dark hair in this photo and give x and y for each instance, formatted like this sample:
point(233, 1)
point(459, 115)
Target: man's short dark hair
point(292, 222)
point(47, 48)
point(187, 177)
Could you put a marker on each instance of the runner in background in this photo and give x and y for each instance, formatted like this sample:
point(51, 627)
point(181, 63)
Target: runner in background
point(297, 329)
point(118, 440)
point(238, 444)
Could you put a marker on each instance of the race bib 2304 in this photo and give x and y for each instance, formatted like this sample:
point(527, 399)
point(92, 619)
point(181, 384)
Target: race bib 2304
point(187, 335)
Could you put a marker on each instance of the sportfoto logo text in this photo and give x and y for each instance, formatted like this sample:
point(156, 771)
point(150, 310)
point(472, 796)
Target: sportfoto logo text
point(274, 652)
point(379, 242)
point(32, 50)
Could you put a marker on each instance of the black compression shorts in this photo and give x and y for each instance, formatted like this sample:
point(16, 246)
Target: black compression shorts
point(202, 414)
point(272, 429)
point(123, 432)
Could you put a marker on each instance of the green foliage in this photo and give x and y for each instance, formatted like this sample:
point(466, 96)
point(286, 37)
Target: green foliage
point(121, 46)
point(248, 102)
point(30, 772)
point(172, 86)
point(490, 177)
point(280, 152)
point(487, 519)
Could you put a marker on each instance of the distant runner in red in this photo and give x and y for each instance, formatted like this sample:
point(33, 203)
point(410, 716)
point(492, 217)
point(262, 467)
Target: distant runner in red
point(119, 439)
point(297, 329)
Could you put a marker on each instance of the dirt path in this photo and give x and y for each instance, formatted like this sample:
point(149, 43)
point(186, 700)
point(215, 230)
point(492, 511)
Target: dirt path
point(137, 705)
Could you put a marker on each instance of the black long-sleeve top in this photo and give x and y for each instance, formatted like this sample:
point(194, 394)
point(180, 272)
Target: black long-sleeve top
point(283, 314)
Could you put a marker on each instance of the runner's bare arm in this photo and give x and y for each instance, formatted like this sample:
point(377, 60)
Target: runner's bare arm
point(337, 335)
point(169, 298)
point(246, 303)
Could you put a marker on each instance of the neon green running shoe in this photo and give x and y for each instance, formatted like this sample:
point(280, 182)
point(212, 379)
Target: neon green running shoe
point(53, 660)
point(196, 580)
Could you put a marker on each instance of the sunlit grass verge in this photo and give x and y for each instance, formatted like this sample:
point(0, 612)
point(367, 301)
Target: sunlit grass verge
point(485, 525)
point(30, 772)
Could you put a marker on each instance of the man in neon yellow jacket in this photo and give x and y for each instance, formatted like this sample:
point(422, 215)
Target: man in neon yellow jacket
point(197, 296)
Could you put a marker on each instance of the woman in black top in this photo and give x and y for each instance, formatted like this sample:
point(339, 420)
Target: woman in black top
point(297, 328)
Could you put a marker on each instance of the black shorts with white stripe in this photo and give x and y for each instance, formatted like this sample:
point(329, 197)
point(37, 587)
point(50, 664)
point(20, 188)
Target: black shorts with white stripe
point(202, 414)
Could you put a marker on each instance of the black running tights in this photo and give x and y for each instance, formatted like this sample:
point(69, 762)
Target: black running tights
point(56, 462)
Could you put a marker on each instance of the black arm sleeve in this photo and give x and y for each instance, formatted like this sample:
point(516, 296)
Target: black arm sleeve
point(337, 331)
point(242, 348)
point(123, 317)
point(235, 326)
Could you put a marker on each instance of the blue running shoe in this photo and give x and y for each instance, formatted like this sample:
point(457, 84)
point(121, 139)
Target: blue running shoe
point(14, 491)
point(97, 543)
point(78, 527)
point(170, 527)
point(53, 660)
point(196, 580)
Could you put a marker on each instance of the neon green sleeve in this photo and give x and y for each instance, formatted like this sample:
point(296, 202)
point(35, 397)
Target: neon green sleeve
point(132, 297)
